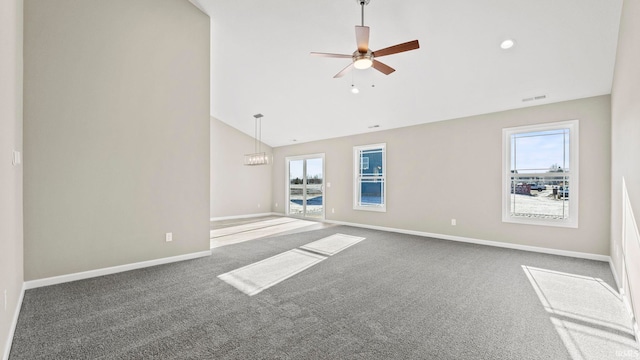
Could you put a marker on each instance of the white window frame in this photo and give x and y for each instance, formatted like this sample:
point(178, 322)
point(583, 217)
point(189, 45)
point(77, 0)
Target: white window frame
point(572, 220)
point(357, 204)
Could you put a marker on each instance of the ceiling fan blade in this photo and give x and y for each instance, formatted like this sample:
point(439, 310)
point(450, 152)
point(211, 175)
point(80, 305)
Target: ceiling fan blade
point(344, 71)
point(383, 68)
point(362, 38)
point(341, 56)
point(410, 45)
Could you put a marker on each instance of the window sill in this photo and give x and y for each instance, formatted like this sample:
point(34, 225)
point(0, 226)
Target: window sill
point(559, 223)
point(371, 208)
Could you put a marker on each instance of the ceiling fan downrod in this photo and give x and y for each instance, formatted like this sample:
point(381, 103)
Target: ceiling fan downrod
point(362, 4)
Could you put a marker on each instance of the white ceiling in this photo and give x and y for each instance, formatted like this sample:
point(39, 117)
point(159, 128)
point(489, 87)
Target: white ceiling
point(565, 49)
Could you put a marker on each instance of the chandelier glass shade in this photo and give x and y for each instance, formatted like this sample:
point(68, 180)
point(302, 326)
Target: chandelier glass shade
point(257, 159)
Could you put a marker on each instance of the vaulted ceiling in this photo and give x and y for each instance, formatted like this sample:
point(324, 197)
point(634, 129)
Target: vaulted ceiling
point(564, 50)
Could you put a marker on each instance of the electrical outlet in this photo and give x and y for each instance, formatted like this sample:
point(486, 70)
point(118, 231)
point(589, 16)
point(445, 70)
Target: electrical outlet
point(17, 159)
point(258, 206)
point(276, 204)
point(453, 222)
point(168, 237)
point(333, 210)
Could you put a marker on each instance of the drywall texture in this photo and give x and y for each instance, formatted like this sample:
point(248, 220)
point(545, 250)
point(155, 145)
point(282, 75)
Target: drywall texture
point(236, 189)
point(452, 170)
point(11, 274)
point(625, 109)
point(116, 124)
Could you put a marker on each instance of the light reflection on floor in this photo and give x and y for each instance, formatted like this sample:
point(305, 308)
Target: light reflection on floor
point(251, 231)
point(587, 313)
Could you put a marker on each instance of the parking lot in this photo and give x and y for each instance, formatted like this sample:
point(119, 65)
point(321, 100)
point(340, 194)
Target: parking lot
point(540, 204)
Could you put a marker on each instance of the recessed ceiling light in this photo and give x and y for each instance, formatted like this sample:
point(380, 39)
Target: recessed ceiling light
point(354, 89)
point(507, 44)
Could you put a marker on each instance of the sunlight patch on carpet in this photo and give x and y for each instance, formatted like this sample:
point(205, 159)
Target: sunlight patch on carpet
point(256, 277)
point(587, 313)
point(333, 244)
point(262, 275)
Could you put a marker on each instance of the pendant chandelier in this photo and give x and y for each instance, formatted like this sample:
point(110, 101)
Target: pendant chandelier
point(258, 157)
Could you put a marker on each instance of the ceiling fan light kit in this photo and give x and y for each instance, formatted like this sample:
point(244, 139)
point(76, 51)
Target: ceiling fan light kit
point(363, 57)
point(362, 61)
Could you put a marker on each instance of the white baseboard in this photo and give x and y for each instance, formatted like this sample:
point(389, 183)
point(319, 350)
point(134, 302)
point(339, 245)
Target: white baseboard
point(243, 216)
point(32, 284)
point(574, 254)
point(14, 323)
point(615, 276)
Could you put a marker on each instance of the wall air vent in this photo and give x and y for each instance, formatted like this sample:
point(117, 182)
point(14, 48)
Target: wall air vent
point(539, 97)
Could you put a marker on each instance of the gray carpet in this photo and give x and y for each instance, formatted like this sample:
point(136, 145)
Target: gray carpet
point(391, 296)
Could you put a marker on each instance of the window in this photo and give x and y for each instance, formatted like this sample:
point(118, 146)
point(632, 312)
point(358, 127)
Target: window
point(540, 174)
point(370, 177)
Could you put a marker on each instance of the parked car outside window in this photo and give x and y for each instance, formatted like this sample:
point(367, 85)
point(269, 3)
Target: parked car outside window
point(539, 187)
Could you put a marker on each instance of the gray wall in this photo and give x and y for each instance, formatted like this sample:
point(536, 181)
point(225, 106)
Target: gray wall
point(625, 106)
point(452, 169)
point(236, 189)
point(11, 274)
point(116, 131)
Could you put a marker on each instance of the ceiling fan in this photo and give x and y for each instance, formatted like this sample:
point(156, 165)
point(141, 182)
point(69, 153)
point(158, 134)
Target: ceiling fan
point(363, 57)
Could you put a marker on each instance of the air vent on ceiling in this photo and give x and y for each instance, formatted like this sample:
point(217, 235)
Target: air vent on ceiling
point(539, 97)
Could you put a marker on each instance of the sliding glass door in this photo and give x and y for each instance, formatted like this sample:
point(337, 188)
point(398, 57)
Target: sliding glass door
point(305, 186)
point(297, 199)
